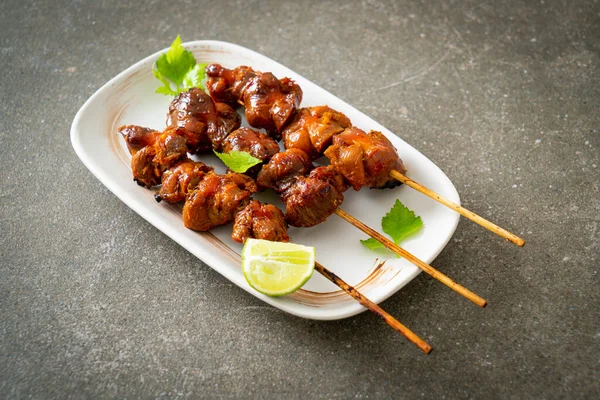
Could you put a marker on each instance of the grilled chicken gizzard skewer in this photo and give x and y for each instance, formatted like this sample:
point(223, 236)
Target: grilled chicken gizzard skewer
point(311, 199)
point(367, 159)
point(269, 102)
point(205, 123)
point(265, 221)
point(307, 132)
point(229, 194)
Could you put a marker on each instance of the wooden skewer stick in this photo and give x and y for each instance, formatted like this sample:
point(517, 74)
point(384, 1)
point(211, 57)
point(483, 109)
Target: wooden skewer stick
point(403, 253)
point(461, 210)
point(391, 321)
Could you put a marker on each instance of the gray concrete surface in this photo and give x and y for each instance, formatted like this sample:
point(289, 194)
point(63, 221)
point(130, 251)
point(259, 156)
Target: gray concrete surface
point(503, 96)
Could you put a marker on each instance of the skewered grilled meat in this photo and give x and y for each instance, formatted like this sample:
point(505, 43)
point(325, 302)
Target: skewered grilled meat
point(312, 129)
point(365, 159)
point(227, 85)
point(138, 137)
point(329, 174)
point(203, 123)
point(260, 221)
point(150, 162)
point(256, 143)
point(256, 220)
point(216, 199)
point(311, 199)
point(269, 102)
point(283, 168)
point(181, 179)
point(229, 120)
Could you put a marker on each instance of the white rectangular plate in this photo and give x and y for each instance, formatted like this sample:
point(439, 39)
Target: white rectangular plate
point(130, 98)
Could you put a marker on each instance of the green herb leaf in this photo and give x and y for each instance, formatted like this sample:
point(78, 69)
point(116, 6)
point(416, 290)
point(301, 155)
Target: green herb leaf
point(372, 244)
point(238, 161)
point(399, 223)
point(176, 62)
point(195, 77)
point(177, 70)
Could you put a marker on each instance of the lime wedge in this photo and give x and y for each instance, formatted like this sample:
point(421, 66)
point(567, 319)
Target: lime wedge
point(276, 268)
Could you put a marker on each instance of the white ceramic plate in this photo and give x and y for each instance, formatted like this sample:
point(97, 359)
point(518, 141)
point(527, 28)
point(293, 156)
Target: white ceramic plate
point(130, 98)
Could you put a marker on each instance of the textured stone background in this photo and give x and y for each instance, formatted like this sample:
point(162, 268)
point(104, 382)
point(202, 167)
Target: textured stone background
point(503, 96)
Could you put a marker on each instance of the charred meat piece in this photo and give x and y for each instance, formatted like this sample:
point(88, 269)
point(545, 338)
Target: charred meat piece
point(216, 200)
point(312, 129)
point(227, 85)
point(329, 174)
point(181, 179)
point(310, 200)
point(203, 124)
point(260, 221)
point(365, 159)
point(229, 119)
point(138, 137)
point(269, 102)
point(150, 162)
point(283, 168)
point(256, 143)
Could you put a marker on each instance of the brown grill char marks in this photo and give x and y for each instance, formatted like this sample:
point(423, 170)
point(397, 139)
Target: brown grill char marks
point(312, 199)
point(181, 179)
point(227, 85)
point(204, 124)
point(365, 159)
point(329, 174)
point(216, 199)
point(312, 129)
point(283, 169)
point(269, 102)
point(260, 221)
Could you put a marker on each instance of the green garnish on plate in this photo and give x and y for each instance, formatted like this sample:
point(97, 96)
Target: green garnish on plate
point(398, 223)
point(238, 161)
point(177, 70)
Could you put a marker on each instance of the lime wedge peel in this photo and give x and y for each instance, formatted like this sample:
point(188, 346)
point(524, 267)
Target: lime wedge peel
point(275, 268)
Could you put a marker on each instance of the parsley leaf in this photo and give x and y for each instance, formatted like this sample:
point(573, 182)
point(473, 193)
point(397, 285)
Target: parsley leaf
point(195, 77)
point(399, 223)
point(177, 70)
point(238, 161)
point(372, 244)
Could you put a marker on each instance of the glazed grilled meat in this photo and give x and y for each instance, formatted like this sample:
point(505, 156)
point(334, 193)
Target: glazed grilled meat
point(229, 119)
point(312, 129)
point(365, 159)
point(151, 161)
point(138, 137)
point(181, 179)
point(310, 200)
point(256, 143)
point(283, 168)
point(260, 221)
point(216, 199)
point(203, 123)
point(269, 102)
point(329, 174)
point(227, 85)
